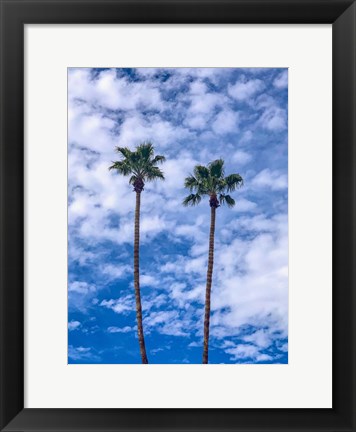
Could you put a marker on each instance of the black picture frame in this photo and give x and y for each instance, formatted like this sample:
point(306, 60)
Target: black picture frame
point(14, 15)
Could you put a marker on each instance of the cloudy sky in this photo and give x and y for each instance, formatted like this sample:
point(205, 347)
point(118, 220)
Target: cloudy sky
point(191, 116)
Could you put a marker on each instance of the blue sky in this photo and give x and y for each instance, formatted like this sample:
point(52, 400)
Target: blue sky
point(192, 116)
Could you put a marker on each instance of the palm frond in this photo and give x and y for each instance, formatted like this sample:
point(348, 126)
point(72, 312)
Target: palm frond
point(216, 168)
point(133, 179)
point(201, 172)
point(124, 151)
point(153, 173)
point(145, 151)
point(192, 200)
point(226, 199)
point(139, 163)
point(191, 183)
point(233, 181)
point(122, 167)
point(158, 159)
point(210, 181)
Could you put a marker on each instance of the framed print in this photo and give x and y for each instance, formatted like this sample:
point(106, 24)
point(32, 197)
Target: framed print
point(177, 215)
point(100, 289)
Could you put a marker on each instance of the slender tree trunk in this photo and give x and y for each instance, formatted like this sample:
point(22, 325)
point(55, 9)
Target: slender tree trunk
point(209, 277)
point(137, 279)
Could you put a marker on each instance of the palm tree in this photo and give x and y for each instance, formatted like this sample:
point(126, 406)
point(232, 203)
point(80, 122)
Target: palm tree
point(141, 166)
point(210, 181)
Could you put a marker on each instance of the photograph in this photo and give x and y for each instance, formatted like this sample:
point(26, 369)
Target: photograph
point(177, 215)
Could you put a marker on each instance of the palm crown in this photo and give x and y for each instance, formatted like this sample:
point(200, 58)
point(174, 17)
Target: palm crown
point(141, 164)
point(211, 181)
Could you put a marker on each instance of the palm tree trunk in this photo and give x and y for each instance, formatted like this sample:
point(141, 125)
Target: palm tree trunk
point(209, 277)
point(137, 279)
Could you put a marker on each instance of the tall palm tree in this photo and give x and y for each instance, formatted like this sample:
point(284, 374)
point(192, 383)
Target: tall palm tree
point(141, 166)
point(211, 181)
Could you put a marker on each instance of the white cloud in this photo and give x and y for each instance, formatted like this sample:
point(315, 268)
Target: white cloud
point(160, 317)
point(213, 74)
point(281, 80)
point(81, 287)
point(137, 128)
point(80, 295)
point(151, 225)
point(89, 129)
point(283, 347)
point(82, 353)
point(167, 322)
point(154, 300)
point(73, 325)
point(202, 101)
point(122, 305)
point(243, 352)
point(91, 329)
point(263, 358)
point(195, 345)
point(196, 265)
point(176, 170)
point(191, 231)
point(261, 338)
point(116, 271)
point(77, 254)
point(110, 91)
point(244, 205)
point(175, 328)
point(202, 105)
point(241, 157)
point(148, 280)
point(154, 351)
point(248, 352)
point(225, 122)
point(177, 293)
point(274, 180)
point(259, 223)
point(243, 90)
point(198, 88)
point(274, 119)
point(125, 329)
point(246, 137)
